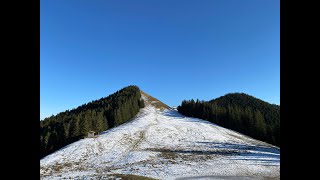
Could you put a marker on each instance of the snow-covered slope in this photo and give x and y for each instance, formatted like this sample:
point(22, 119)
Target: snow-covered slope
point(164, 144)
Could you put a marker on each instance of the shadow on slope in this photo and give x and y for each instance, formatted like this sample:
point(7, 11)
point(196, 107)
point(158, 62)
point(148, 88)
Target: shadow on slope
point(173, 114)
point(235, 146)
point(228, 177)
point(248, 152)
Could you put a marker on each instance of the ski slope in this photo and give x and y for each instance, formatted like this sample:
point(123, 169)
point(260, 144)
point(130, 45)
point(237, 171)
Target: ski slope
point(164, 144)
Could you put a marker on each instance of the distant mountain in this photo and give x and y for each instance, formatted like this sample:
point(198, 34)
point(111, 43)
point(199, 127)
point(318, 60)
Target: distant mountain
point(99, 115)
point(241, 112)
point(161, 143)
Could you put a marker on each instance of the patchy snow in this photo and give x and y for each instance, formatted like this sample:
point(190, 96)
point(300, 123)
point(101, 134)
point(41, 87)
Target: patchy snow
point(164, 144)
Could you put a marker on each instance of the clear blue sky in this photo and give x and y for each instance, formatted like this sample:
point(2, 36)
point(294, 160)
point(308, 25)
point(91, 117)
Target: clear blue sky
point(171, 49)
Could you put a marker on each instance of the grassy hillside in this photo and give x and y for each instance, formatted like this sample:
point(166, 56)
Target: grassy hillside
point(99, 115)
point(240, 112)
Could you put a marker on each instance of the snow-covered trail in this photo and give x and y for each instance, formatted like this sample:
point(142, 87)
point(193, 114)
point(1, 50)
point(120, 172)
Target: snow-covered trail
point(164, 144)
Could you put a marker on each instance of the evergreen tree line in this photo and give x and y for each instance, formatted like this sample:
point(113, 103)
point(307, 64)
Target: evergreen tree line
point(240, 112)
point(99, 115)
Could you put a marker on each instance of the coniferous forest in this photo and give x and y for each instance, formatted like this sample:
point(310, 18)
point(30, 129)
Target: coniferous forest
point(240, 112)
point(99, 115)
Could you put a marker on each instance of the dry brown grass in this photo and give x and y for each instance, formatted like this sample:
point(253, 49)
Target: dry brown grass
point(58, 167)
point(169, 155)
point(155, 102)
point(174, 155)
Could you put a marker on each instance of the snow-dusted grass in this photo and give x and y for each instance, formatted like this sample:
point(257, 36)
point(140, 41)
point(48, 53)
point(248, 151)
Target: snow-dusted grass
point(164, 144)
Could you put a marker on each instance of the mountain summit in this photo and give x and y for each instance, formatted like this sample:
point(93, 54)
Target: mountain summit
point(161, 143)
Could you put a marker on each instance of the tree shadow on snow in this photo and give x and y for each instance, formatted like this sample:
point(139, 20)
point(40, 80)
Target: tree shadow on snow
point(259, 153)
point(196, 152)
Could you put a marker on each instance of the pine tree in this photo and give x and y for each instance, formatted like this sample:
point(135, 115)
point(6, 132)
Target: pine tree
point(83, 125)
point(141, 103)
point(99, 122)
point(66, 127)
point(260, 125)
point(74, 127)
point(53, 139)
